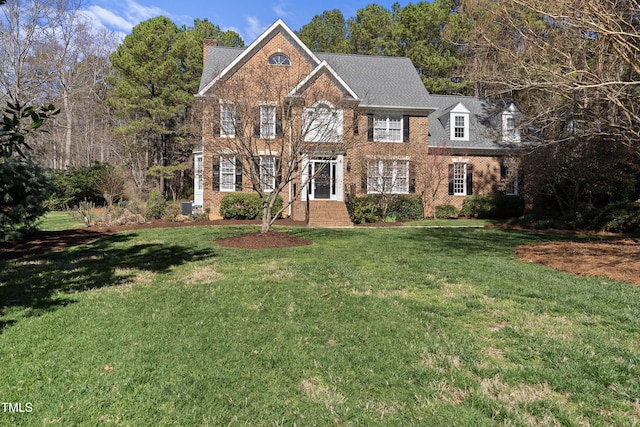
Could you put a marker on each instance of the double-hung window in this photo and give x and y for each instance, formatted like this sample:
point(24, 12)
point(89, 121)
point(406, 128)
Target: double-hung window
point(227, 120)
point(268, 172)
point(387, 128)
point(510, 180)
point(267, 121)
point(199, 172)
point(323, 123)
point(460, 129)
point(388, 177)
point(459, 179)
point(227, 173)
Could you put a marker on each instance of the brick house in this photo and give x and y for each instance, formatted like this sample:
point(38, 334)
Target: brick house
point(318, 127)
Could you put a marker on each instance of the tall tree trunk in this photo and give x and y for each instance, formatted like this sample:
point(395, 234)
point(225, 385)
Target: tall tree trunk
point(68, 126)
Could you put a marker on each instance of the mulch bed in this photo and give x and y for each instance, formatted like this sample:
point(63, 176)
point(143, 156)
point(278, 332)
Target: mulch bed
point(270, 240)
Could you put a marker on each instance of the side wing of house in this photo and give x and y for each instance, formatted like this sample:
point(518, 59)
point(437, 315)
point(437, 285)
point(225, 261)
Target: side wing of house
point(475, 143)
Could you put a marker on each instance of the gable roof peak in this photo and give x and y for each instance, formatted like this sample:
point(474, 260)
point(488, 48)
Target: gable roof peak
point(460, 108)
point(278, 25)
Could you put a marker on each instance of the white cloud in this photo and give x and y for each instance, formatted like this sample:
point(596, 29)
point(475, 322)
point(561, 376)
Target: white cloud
point(142, 13)
point(280, 10)
point(109, 19)
point(254, 29)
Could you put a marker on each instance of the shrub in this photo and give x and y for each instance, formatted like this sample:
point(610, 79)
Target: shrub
point(24, 189)
point(156, 205)
point(245, 206)
point(492, 206)
point(77, 184)
point(446, 211)
point(405, 206)
point(618, 217)
point(363, 209)
point(171, 212)
point(400, 207)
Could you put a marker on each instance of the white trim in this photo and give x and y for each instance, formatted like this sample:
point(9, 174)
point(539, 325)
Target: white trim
point(315, 72)
point(198, 178)
point(253, 48)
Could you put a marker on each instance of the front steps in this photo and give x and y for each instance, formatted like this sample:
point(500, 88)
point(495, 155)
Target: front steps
point(327, 213)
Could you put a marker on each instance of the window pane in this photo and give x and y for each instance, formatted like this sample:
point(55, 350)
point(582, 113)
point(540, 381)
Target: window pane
point(459, 127)
point(459, 178)
point(279, 59)
point(227, 173)
point(226, 121)
point(267, 122)
point(387, 128)
point(268, 172)
point(199, 173)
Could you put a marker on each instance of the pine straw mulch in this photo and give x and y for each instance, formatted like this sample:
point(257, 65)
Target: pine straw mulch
point(615, 259)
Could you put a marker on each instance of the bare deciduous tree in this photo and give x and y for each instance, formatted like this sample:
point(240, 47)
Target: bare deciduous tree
point(573, 64)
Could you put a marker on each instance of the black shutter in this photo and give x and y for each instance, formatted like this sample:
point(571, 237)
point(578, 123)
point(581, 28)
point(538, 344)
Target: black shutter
point(256, 164)
point(451, 179)
point(469, 180)
point(216, 173)
point(369, 127)
point(405, 128)
point(356, 130)
point(256, 122)
point(412, 178)
point(279, 132)
point(364, 176)
point(278, 171)
point(238, 174)
point(216, 120)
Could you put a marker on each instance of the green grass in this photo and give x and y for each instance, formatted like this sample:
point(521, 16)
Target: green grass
point(449, 222)
point(403, 326)
point(57, 221)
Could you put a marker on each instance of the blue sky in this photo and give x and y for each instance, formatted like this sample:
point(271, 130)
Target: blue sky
point(248, 18)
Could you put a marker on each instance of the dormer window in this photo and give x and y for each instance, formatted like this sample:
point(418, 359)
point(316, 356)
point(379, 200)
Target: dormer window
point(459, 123)
point(510, 131)
point(279, 59)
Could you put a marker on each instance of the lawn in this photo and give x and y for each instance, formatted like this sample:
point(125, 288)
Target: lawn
point(403, 326)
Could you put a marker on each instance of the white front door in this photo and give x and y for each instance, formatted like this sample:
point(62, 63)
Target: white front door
point(325, 179)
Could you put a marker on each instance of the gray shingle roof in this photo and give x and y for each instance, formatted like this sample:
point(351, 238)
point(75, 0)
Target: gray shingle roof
point(484, 123)
point(379, 81)
point(217, 59)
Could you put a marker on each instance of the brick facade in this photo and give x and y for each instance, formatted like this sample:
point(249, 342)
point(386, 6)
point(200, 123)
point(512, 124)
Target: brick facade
point(294, 89)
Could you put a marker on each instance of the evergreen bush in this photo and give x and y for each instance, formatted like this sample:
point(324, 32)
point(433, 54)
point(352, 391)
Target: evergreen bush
point(245, 206)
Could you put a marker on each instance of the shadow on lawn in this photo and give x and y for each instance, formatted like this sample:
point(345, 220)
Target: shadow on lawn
point(33, 286)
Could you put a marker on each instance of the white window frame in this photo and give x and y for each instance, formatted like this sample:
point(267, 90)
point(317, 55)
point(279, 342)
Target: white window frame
point(323, 123)
point(281, 59)
point(267, 121)
point(460, 171)
point(227, 173)
point(268, 173)
point(510, 131)
point(388, 177)
point(199, 173)
point(510, 180)
point(459, 127)
point(388, 128)
point(227, 120)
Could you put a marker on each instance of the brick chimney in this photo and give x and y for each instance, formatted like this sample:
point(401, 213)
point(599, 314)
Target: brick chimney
point(208, 42)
